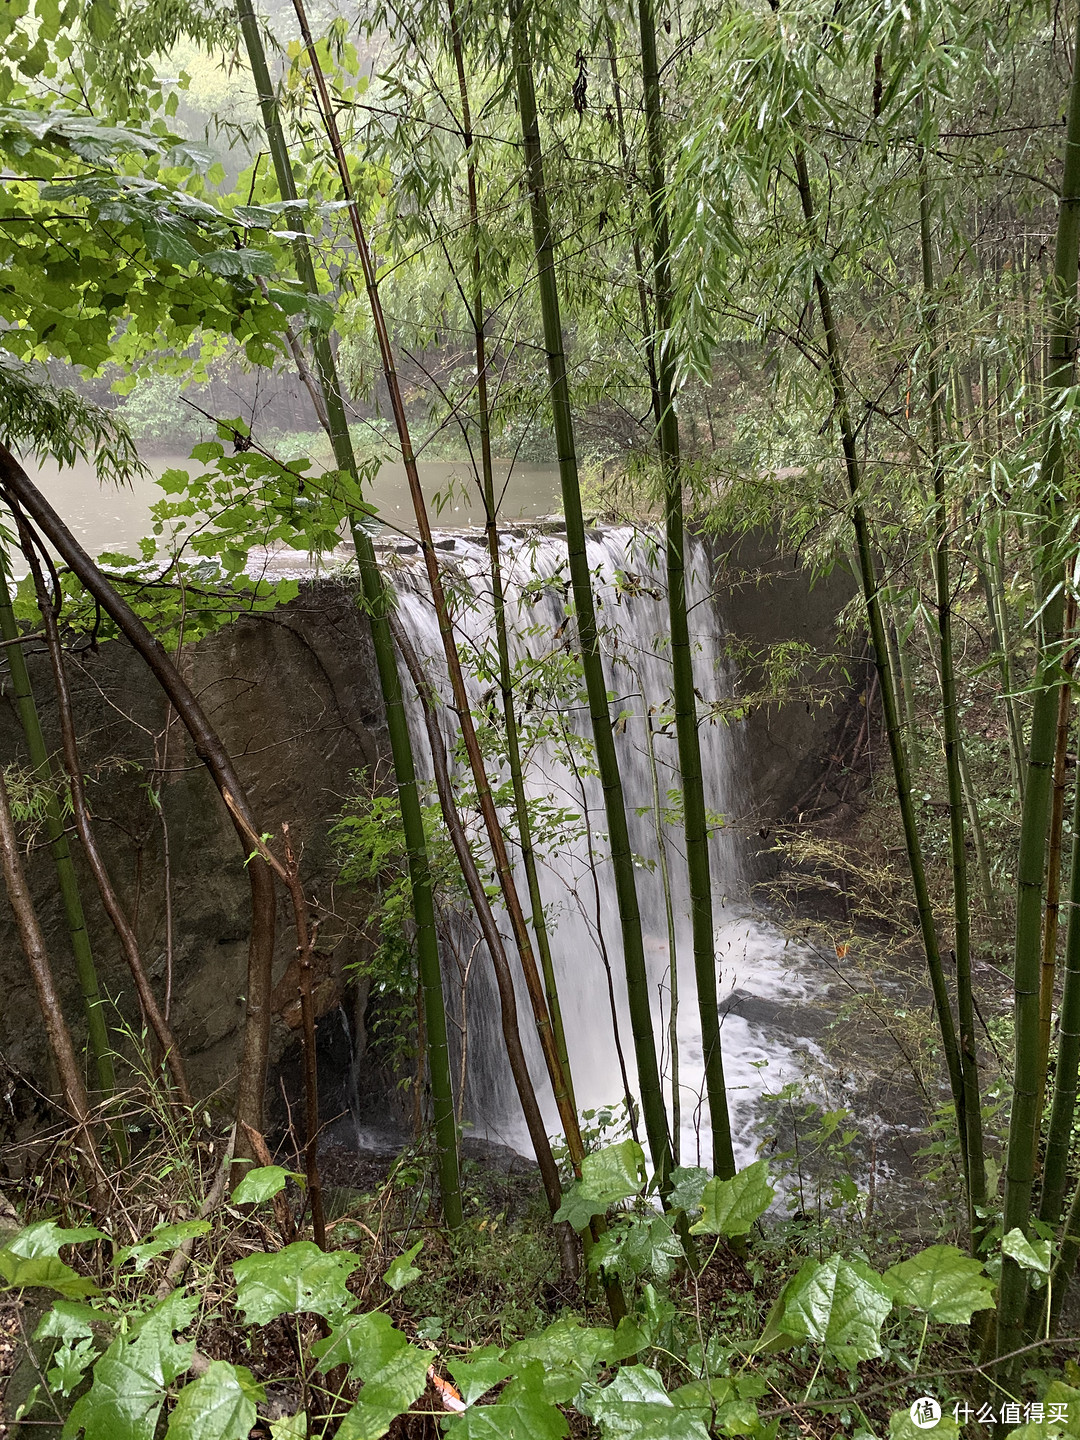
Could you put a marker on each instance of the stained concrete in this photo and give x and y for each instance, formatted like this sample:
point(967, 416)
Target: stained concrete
point(294, 695)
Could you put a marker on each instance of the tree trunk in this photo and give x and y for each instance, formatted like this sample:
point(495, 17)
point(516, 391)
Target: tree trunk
point(56, 1030)
point(208, 747)
point(378, 603)
point(79, 936)
point(682, 659)
point(1020, 1162)
point(637, 982)
point(125, 932)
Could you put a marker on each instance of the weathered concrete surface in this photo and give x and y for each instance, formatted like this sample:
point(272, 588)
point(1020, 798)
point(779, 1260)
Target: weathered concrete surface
point(295, 697)
point(767, 599)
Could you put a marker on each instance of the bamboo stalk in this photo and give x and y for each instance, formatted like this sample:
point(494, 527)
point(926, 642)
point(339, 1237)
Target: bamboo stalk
point(52, 1015)
point(1063, 1108)
point(970, 1117)
point(492, 824)
point(867, 572)
point(67, 880)
point(125, 932)
point(252, 1079)
point(534, 1120)
point(637, 985)
point(1020, 1162)
point(491, 533)
point(695, 817)
point(1052, 908)
point(378, 604)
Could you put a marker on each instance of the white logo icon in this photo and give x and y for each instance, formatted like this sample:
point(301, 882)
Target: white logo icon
point(925, 1413)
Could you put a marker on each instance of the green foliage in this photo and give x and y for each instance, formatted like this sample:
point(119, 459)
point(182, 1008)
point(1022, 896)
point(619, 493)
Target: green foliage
point(730, 1207)
point(401, 1270)
point(220, 1403)
point(298, 1279)
point(262, 1183)
point(607, 1176)
point(839, 1304)
point(941, 1281)
point(31, 1260)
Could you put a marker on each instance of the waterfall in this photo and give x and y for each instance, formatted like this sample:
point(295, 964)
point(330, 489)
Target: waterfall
point(630, 589)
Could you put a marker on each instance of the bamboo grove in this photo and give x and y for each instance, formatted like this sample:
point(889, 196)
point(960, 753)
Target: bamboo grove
point(848, 233)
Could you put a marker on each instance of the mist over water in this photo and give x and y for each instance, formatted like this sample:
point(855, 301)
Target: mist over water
point(753, 958)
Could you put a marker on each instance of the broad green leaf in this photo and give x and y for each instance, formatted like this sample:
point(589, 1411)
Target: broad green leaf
point(635, 1406)
point(838, 1304)
point(735, 1415)
point(219, 1405)
point(292, 1427)
point(687, 1187)
point(641, 1247)
point(522, 1412)
point(607, 1176)
point(730, 1207)
point(70, 1320)
point(1028, 1254)
point(476, 1377)
point(401, 1271)
point(300, 1278)
point(69, 1365)
point(131, 1378)
point(165, 1237)
point(568, 1353)
point(386, 1394)
point(365, 1343)
point(261, 1184)
point(903, 1427)
point(31, 1259)
point(946, 1284)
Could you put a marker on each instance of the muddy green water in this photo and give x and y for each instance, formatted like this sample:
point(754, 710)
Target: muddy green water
point(106, 518)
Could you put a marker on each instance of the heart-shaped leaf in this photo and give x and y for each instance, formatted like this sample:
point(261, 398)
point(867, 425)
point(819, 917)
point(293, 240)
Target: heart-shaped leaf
point(946, 1284)
point(300, 1278)
point(730, 1207)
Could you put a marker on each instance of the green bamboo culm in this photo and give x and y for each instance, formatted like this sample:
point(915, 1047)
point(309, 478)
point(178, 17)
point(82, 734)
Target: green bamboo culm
point(622, 859)
point(96, 1029)
point(682, 662)
point(537, 919)
point(1063, 1109)
point(867, 574)
point(1027, 1091)
point(377, 601)
point(970, 1118)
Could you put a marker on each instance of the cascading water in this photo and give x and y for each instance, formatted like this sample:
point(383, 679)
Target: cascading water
point(629, 586)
